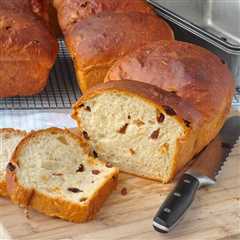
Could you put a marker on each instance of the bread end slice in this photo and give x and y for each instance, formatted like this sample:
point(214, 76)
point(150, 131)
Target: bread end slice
point(9, 138)
point(139, 128)
point(52, 172)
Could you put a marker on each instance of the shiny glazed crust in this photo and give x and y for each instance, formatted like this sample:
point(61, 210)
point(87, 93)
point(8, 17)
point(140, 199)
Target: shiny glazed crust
point(97, 42)
point(27, 49)
point(57, 207)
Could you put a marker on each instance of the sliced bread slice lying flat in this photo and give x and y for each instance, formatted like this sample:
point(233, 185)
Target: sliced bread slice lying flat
point(9, 138)
point(52, 172)
point(140, 128)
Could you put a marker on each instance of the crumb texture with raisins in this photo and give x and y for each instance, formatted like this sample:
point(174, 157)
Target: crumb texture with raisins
point(145, 144)
point(55, 175)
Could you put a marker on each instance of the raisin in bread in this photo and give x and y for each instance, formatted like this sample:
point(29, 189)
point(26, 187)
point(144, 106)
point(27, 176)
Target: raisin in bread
point(27, 49)
point(138, 127)
point(97, 42)
point(9, 138)
point(72, 11)
point(192, 72)
point(52, 172)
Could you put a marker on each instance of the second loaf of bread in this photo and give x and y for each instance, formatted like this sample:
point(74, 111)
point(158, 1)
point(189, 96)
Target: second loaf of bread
point(97, 42)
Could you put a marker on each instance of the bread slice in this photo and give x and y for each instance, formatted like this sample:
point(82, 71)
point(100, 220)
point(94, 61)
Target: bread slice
point(138, 127)
point(52, 172)
point(9, 138)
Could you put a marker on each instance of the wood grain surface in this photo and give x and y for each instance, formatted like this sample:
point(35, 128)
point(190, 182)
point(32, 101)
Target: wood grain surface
point(214, 215)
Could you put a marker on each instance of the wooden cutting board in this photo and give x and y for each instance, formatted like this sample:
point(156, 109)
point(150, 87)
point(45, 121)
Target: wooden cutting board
point(215, 213)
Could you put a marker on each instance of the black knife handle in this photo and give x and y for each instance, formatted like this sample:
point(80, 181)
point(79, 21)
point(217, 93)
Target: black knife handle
point(175, 205)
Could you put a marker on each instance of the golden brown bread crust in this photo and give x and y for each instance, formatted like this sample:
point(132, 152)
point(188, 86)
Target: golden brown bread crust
point(38, 7)
point(72, 11)
point(190, 119)
point(8, 131)
point(97, 42)
point(57, 207)
point(193, 73)
point(150, 93)
point(27, 50)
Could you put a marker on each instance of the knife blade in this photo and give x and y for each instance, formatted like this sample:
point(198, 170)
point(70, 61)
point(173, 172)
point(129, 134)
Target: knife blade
point(203, 172)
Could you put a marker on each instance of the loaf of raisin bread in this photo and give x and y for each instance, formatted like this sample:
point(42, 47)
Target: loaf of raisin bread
point(52, 172)
point(97, 42)
point(9, 138)
point(174, 103)
point(73, 11)
point(27, 49)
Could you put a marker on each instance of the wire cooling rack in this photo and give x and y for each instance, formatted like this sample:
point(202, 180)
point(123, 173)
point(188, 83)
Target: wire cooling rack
point(61, 92)
point(236, 99)
point(62, 89)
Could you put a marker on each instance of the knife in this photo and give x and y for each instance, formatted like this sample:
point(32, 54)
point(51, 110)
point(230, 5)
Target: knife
point(203, 172)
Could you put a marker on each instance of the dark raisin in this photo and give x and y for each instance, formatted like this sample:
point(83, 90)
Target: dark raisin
point(87, 108)
point(95, 172)
point(11, 167)
point(114, 177)
point(226, 145)
point(124, 191)
point(83, 199)
point(57, 174)
point(131, 151)
point(222, 61)
point(123, 129)
point(95, 155)
point(169, 111)
point(129, 117)
point(155, 134)
point(80, 168)
point(84, 5)
point(8, 27)
point(187, 123)
point(108, 165)
point(92, 182)
point(74, 190)
point(81, 105)
point(160, 117)
point(85, 135)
